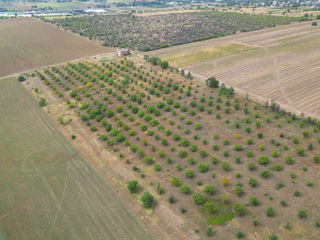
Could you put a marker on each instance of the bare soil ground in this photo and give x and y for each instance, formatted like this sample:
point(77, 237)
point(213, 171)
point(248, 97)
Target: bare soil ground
point(27, 43)
point(283, 67)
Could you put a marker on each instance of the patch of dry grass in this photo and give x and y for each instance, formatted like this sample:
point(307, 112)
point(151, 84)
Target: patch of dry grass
point(206, 54)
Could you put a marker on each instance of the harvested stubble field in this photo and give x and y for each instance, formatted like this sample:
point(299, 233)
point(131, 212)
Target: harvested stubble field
point(157, 31)
point(218, 160)
point(48, 191)
point(27, 43)
point(283, 66)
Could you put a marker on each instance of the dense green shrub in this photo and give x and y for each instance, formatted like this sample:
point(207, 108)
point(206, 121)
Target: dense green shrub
point(160, 189)
point(239, 191)
point(176, 137)
point(302, 214)
point(240, 235)
point(191, 160)
point(275, 154)
point(182, 153)
point(210, 189)
point(238, 147)
point(184, 142)
point(277, 167)
point(148, 159)
point(133, 147)
point(203, 167)
point(157, 167)
point(210, 207)
point(209, 231)
point(239, 209)
point(254, 201)
point(203, 153)
point(289, 160)
point(261, 147)
point(226, 142)
point(215, 147)
point(175, 181)
point(21, 78)
point(296, 193)
point(193, 148)
point(198, 198)
point(197, 126)
point(212, 82)
point(300, 151)
point(251, 166)
point(273, 237)
point(263, 160)
point(93, 129)
point(185, 189)
point(253, 182)
point(132, 186)
point(249, 154)
point(270, 212)
point(189, 173)
point(147, 200)
point(265, 173)
point(103, 137)
point(225, 166)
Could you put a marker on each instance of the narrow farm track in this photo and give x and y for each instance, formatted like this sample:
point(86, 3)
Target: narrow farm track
point(284, 66)
point(47, 190)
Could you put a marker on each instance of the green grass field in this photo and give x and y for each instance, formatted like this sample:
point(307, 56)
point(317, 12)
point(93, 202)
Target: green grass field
point(47, 190)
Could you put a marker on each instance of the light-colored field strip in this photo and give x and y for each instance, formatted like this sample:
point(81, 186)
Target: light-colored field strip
point(47, 190)
point(283, 68)
point(251, 38)
point(206, 54)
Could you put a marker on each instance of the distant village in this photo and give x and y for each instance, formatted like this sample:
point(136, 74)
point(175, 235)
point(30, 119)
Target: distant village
point(296, 3)
point(47, 13)
point(273, 3)
point(312, 4)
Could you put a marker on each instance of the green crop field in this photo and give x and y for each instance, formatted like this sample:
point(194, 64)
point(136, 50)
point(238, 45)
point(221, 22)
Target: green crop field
point(47, 190)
